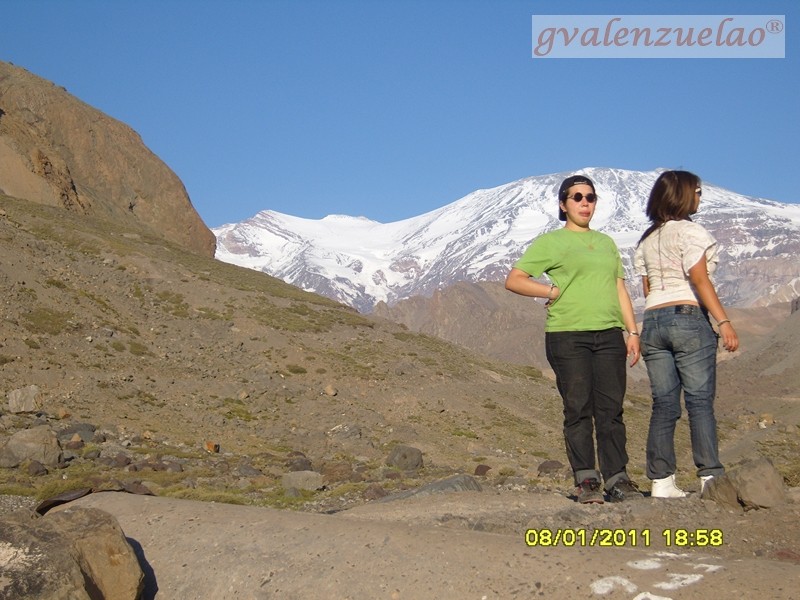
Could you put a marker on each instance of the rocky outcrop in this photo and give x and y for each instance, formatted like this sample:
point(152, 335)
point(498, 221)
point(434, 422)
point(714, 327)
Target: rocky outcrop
point(76, 553)
point(59, 151)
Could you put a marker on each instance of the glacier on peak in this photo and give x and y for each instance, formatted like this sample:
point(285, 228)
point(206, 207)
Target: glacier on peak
point(360, 262)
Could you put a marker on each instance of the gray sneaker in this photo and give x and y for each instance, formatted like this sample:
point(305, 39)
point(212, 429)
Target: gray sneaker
point(588, 492)
point(624, 490)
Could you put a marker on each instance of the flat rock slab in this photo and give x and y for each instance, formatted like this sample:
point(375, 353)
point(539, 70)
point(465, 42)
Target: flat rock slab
point(208, 550)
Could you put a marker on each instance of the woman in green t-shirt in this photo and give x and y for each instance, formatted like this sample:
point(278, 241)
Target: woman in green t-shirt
point(588, 308)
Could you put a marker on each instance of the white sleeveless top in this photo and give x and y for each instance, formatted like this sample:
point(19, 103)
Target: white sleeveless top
point(666, 256)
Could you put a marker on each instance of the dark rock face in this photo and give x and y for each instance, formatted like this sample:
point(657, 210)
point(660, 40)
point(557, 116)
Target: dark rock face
point(59, 151)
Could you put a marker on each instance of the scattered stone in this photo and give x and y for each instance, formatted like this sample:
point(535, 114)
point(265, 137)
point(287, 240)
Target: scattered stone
point(24, 400)
point(212, 447)
point(83, 431)
point(722, 491)
point(121, 460)
point(481, 470)
point(74, 444)
point(248, 470)
point(298, 463)
point(348, 431)
point(136, 487)
point(374, 492)
point(405, 458)
point(330, 390)
point(758, 484)
point(338, 472)
point(302, 480)
point(36, 469)
point(550, 467)
point(38, 443)
point(454, 483)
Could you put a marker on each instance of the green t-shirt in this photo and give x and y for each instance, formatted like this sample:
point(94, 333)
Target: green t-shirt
point(585, 265)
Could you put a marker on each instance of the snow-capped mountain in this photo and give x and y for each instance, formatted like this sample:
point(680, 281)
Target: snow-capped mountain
point(361, 262)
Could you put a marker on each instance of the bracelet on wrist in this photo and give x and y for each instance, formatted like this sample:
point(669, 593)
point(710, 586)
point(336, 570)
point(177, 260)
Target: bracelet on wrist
point(550, 291)
point(633, 333)
point(723, 322)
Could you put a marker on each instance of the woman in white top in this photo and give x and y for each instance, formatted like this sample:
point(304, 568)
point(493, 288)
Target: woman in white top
point(675, 258)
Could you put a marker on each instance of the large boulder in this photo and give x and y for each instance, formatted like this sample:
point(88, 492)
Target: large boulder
point(37, 443)
point(71, 554)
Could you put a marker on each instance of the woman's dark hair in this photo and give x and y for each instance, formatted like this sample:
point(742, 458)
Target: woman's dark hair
point(671, 199)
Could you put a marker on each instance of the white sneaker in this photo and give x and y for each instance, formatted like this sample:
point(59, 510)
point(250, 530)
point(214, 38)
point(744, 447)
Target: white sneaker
point(666, 488)
point(704, 481)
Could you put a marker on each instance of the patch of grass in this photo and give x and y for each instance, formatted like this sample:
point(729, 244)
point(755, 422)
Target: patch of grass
point(210, 313)
point(143, 397)
point(101, 348)
point(26, 291)
point(345, 489)
point(44, 320)
point(350, 365)
point(54, 485)
point(235, 409)
point(206, 495)
point(101, 302)
point(285, 320)
point(172, 302)
point(32, 344)
point(56, 283)
point(277, 498)
point(784, 453)
point(4, 360)
point(296, 369)
point(138, 349)
point(506, 421)
point(458, 432)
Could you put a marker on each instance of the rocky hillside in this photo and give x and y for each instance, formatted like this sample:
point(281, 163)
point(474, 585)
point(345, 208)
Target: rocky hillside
point(171, 354)
point(59, 151)
point(161, 371)
point(166, 351)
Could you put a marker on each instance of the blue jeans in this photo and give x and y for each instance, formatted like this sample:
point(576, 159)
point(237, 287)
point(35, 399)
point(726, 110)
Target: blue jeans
point(680, 350)
point(590, 375)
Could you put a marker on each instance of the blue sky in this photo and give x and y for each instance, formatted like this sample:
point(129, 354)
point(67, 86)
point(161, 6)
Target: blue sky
point(389, 109)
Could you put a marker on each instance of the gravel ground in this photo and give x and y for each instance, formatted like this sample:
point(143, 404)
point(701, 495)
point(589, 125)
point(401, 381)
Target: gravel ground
point(10, 504)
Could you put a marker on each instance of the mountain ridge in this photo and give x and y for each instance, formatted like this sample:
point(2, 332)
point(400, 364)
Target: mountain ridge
point(477, 238)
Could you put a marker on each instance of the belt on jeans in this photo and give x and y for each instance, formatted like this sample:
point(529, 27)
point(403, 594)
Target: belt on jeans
point(687, 309)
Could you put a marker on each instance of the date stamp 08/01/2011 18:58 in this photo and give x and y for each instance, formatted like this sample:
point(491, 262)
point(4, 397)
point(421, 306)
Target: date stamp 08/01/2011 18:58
point(616, 538)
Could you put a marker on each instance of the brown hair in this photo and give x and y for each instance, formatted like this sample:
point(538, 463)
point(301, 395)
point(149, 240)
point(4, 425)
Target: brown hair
point(671, 199)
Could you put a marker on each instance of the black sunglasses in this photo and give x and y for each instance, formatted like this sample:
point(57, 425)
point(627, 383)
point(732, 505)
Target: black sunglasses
point(590, 197)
